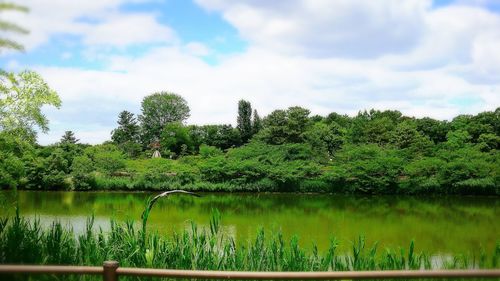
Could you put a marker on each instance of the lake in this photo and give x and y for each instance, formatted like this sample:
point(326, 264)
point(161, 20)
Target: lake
point(439, 225)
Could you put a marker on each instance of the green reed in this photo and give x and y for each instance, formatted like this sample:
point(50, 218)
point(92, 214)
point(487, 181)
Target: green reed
point(25, 241)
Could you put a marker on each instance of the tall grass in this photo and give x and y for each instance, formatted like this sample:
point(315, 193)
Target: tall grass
point(25, 241)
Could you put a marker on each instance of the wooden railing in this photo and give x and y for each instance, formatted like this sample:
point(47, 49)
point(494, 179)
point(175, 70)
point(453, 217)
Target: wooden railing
point(110, 272)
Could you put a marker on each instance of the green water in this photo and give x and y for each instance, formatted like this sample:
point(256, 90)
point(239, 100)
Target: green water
point(438, 225)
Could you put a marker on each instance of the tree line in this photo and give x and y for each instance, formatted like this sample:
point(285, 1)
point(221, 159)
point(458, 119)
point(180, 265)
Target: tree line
point(374, 152)
point(162, 121)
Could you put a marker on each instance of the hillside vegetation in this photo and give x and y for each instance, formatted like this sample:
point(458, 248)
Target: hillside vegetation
point(374, 152)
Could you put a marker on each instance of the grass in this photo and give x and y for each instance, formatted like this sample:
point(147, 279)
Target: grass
point(25, 241)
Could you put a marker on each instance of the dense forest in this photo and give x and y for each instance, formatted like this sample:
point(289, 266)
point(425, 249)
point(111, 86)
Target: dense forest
point(374, 152)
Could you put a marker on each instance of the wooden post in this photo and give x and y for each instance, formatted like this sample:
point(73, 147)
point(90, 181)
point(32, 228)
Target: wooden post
point(109, 273)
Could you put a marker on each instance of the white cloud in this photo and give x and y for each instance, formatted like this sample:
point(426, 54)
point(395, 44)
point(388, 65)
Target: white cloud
point(97, 22)
point(197, 49)
point(125, 30)
point(324, 28)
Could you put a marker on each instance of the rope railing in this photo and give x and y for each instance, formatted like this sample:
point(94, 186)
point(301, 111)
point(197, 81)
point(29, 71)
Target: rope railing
point(111, 270)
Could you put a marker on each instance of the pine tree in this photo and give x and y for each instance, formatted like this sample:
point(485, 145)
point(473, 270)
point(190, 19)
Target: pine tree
point(127, 131)
point(69, 138)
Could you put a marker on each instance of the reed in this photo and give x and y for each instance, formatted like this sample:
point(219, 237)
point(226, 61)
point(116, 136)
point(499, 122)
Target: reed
point(25, 241)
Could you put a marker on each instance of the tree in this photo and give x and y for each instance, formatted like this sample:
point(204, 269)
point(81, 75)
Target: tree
point(457, 139)
point(221, 136)
point(488, 142)
point(21, 99)
point(244, 122)
point(127, 131)
point(379, 130)
point(342, 120)
point(11, 27)
point(69, 138)
point(326, 137)
point(207, 151)
point(224, 136)
point(127, 135)
point(158, 110)
point(12, 151)
point(434, 129)
point(286, 126)
point(404, 135)
point(81, 170)
point(256, 122)
point(409, 140)
point(175, 137)
point(54, 171)
point(107, 158)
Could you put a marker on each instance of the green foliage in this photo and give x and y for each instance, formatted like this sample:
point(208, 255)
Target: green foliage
point(128, 129)
point(68, 138)
point(158, 110)
point(423, 175)
point(131, 149)
point(256, 122)
point(457, 139)
point(244, 120)
point(488, 142)
point(14, 153)
point(285, 126)
point(220, 136)
point(285, 165)
point(127, 135)
point(375, 152)
point(6, 26)
point(176, 138)
point(81, 170)
point(56, 167)
point(434, 129)
point(378, 130)
point(21, 99)
point(108, 158)
point(325, 137)
point(410, 141)
point(24, 241)
point(12, 170)
point(207, 151)
point(367, 168)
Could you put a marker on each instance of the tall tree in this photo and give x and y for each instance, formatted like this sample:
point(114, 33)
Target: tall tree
point(69, 138)
point(158, 110)
point(256, 122)
point(22, 96)
point(128, 129)
point(244, 120)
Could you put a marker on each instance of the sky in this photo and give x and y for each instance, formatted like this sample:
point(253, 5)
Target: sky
point(421, 57)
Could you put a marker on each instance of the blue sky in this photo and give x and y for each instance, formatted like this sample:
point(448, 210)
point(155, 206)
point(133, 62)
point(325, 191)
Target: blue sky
point(422, 57)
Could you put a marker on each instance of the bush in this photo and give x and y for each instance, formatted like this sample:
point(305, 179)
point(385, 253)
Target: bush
point(108, 158)
point(82, 172)
point(207, 151)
